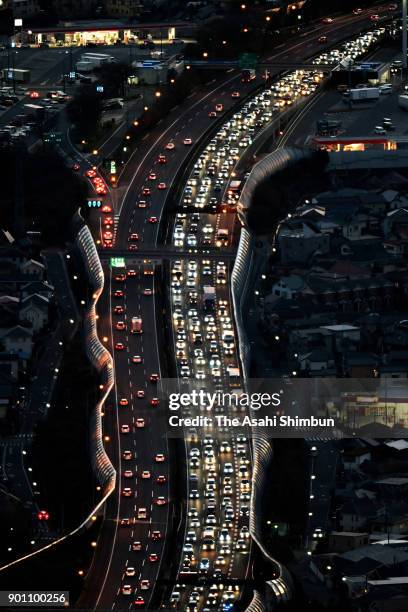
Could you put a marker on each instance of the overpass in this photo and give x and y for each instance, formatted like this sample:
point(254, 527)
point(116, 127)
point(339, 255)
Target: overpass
point(225, 64)
point(156, 254)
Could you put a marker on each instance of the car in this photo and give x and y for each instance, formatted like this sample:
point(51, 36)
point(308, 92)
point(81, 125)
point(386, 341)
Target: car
point(120, 326)
point(153, 557)
point(128, 474)
point(118, 293)
point(140, 423)
point(357, 11)
point(154, 378)
point(154, 401)
point(125, 522)
point(119, 310)
point(145, 475)
point(212, 114)
point(125, 429)
point(204, 564)
point(91, 173)
point(120, 278)
point(147, 291)
point(374, 17)
point(142, 513)
point(152, 219)
point(152, 176)
point(126, 589)
point(379, 130)
point(327, 20)
point(322, 39)
point(123, 401)
point(162, 159)
point(137, 359)
point(162, 186)
point(160, 458)
point(160, 501)
point(130, 571)
point(139, 601)
point(235, 94)
point(131, 273)
point(136, 546)
point(142, 204)
point(156, 535)
point(170, 146)
point(106, 208)
point(187, 141)
point(126, 492)
point(119, 346)
point(127, 455)
point(140, 394)
point(133, 247)
point(161, 479)
point(134, 236)
point(146, 191)
point(144, 584)
point(108, 221)
point(219, 107)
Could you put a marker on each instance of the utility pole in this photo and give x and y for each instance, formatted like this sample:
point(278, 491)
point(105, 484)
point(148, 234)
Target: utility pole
point(404, 34)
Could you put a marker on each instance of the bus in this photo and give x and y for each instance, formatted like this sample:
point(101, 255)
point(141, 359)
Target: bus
point(148, 268)
point(136, 326)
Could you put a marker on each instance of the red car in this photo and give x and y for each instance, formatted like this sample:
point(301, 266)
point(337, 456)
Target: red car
point(212, 114)
point(108, 235)
point(219, 108)
point(145, 475)
point(137, 359)
point(162, 186)
point(108, 221)
point(161, 479)
point(91, 173)
point(160, 501)
point(146, 191)
point(120, 326)
point(137, 546)
point(134, 236)
point(160, 458)
point(139, 601)
point(119, 346)
point(235, 94)
point(119, 309)
point(153, 558)
point(128, 474)
point(162, 159)
point(132, 273)
point(140, 394)
point(127, 492)
point(187, 141)
point(127, 455)
point(154, 378)
point(152, 176)
point(152, 219)
point(123, 401)
point(142, 204)
point(154, 401)
point(118, 293)
point(147, 291)
point(120, 278)
point(170, 146)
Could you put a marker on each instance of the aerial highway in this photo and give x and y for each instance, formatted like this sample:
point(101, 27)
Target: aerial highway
point(219, 469)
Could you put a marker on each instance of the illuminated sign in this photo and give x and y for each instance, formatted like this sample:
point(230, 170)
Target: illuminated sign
point(117, 262)
point(94, 203)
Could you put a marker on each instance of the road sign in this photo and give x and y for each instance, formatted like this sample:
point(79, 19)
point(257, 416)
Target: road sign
point(117, 262)
point(94, 203)
point(248, 61)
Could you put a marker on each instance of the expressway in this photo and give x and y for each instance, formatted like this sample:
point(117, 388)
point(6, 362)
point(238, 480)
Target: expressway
point(131, 293)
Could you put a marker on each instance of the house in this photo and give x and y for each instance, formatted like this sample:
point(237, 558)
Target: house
point(396, 223)
point(34, 309)
point(318, 362)
point(298, 241)
point(31, 267)
point(355, 456)
point(341, 541)
point(288, 286)
point(40, 287)
point(394, 487)
point(18, 340)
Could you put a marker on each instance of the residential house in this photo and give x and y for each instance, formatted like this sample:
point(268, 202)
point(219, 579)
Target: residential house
point(18, 340)
point(34, 309)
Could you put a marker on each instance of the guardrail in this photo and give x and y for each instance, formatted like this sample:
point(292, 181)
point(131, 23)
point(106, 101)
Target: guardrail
point(102, 361)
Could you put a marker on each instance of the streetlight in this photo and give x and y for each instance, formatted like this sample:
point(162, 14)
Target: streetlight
point(157, 94)
point(205, 54)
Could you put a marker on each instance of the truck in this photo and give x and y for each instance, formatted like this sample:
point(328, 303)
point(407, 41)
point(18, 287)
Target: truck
point(328, 127)
point(99, 59)
point(85, 66)
point(362, 94)
point(234, 377)
point(148, 268)
point(17, 75)
point(403, 101)
point(136, 325)
point(35, 111)
point(248, 75)
point(221, 238)
point(209, 298)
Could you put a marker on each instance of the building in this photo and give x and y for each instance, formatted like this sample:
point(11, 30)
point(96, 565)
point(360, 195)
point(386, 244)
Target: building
point(123, 8)
point(26, 8)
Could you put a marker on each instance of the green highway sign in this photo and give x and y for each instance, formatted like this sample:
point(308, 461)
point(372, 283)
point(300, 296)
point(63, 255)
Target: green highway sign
point(117, 262)
point(54, 137)
point(248, 61)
